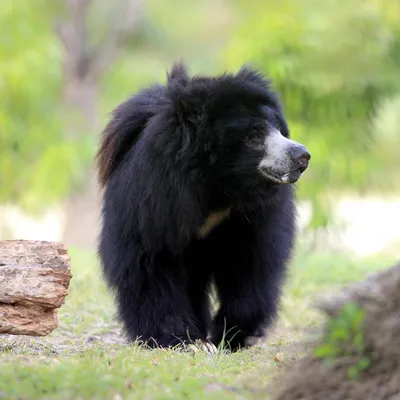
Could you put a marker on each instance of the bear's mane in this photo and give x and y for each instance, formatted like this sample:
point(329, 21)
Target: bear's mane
point(159, 156)
point(192, 100)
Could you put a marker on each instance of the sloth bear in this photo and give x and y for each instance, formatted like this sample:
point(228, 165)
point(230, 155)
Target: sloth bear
point(196, 176)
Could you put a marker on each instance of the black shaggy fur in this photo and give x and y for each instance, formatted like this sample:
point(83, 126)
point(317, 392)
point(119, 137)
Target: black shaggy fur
point(170, 157)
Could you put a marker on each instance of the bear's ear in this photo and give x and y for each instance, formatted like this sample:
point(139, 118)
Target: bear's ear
point(178, 73)
point(259, 85)
point(254, 76)
point(178, 91)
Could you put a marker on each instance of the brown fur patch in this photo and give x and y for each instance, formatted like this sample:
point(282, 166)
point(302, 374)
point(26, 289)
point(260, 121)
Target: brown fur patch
point(212, 221)
point(105, 154)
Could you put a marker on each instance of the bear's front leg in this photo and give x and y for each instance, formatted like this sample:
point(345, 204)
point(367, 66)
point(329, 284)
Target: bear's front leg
point(250, 257)
point(244, 315)
point(154, 304)
point(247, 307)
point(250, 261)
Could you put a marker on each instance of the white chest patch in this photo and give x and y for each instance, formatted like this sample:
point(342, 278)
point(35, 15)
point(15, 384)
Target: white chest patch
point(213, 220)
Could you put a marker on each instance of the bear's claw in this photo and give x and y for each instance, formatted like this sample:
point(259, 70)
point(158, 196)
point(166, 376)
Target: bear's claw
point(202, 345)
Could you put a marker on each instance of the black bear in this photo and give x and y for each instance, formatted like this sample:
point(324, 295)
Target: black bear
point(196, 176)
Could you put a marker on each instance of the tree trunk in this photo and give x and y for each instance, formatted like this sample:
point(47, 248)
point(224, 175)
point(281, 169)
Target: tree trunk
point(34, 281)
point(83, 66)
point(82, 207)
point(82, 210)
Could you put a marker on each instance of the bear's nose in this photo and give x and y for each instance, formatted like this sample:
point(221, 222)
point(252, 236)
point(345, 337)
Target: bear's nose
point(300, 156)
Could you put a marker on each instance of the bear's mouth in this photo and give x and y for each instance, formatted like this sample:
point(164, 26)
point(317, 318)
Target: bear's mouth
point(288, 178)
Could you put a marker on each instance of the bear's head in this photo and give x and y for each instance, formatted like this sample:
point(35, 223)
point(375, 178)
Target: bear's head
point(233, 125)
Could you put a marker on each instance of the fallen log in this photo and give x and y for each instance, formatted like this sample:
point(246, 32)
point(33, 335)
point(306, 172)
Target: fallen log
point(34, 281)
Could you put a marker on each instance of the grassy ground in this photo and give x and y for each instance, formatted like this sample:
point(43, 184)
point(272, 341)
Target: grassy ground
point(86, 357)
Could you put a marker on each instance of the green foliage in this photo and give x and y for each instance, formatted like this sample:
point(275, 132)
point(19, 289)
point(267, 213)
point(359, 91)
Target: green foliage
point(354, 371)
point(39, 163)
point(36, 163)
point(335, 63)
point(332, 62)
point(344, 336)
point(341, 330)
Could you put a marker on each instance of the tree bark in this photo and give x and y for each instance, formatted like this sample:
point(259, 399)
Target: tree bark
point(84, 64)
point(34, 281)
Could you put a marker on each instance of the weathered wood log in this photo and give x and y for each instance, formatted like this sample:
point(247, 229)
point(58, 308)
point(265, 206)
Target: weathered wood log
point(34, 281)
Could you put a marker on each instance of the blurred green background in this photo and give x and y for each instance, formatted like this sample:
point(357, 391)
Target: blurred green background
point(64, 65)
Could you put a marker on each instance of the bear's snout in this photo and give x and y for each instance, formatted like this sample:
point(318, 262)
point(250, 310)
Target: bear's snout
point(299, 156)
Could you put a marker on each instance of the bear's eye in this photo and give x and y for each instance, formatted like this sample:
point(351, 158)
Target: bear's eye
point(255, 135)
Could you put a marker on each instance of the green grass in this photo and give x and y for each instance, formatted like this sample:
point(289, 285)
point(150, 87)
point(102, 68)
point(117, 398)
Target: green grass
point(86, 357)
